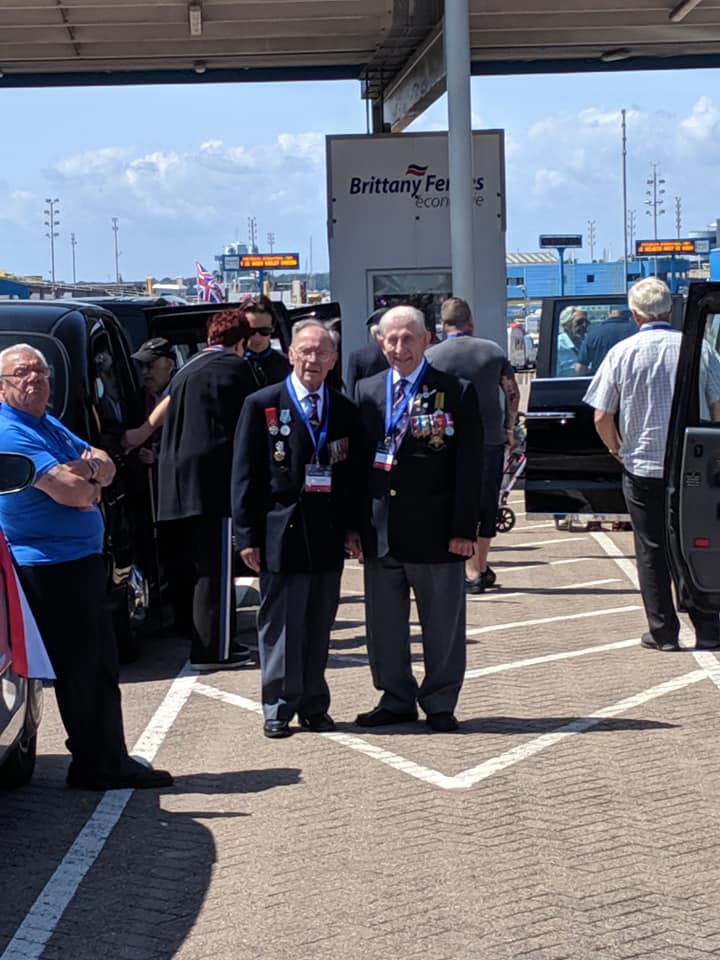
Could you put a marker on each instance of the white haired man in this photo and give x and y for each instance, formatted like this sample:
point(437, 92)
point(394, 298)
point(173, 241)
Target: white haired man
point(293, 501)
point(421, 445)
point(55, 533)
point(636, 381)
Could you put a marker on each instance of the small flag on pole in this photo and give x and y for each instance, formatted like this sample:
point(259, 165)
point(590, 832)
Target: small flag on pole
point(207, 285)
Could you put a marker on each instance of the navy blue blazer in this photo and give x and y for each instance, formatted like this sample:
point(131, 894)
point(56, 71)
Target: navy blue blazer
point(430, 495)
point(363, 363)
point(296, 531)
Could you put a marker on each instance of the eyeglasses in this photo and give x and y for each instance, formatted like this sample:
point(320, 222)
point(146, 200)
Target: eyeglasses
point(306, 352)
point(262, 331)
point(22, 373)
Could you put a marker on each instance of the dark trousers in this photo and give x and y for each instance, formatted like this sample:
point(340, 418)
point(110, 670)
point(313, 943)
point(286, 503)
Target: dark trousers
point(206, 543)
point(645, 499)
point(69, 602)
point(296, 614)
point(439, 590)
point(178, 573)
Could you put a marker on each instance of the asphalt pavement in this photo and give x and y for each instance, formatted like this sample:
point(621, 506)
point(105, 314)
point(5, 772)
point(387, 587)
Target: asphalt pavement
point(571, 816)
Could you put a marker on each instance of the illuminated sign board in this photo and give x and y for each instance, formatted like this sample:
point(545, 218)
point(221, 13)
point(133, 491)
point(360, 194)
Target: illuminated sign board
point(653, 248)
point(560, 240)
point(269, 261)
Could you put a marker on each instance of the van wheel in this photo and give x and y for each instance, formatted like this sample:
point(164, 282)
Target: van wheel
point(19, 765)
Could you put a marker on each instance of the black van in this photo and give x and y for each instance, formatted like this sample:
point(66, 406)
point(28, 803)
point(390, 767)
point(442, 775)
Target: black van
point(94, 391)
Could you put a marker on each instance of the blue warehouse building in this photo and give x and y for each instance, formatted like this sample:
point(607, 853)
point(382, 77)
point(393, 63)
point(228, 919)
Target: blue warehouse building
point(534, 276)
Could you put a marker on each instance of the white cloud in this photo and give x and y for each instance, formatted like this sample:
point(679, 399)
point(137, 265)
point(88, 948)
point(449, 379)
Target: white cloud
point(704, 121)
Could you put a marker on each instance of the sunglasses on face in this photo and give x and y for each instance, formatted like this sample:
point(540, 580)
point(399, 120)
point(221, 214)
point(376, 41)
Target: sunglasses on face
point(262, 331)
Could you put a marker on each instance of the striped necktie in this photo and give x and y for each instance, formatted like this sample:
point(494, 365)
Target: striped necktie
point(312, 410)
point(402, 425)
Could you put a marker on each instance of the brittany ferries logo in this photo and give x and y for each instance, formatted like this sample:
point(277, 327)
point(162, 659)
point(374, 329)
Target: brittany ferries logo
point(425, 188)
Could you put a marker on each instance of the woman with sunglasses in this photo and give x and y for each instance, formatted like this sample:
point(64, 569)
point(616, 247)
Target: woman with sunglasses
point(268, 366)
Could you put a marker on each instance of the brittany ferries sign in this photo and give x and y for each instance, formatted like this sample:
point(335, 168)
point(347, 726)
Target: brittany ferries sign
point(421, 184)
point(389, 225)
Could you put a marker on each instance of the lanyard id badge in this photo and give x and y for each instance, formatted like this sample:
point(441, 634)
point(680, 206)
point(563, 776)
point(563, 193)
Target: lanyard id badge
point(384, 456)
point(318, 479)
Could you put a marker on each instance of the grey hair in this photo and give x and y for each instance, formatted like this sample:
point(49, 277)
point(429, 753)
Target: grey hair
point(305, 324)
point(21, 348)
point(650, 298)
point(568, 313)
point(415, 316)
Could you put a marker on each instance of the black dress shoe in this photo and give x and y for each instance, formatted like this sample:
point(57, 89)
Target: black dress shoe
point(132, 775)
point(380, 717)
point(442, 722)
point(275, 729)
point(650, 643)
point(318, 722)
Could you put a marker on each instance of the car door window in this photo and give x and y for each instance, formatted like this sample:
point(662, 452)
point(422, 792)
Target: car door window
point(709, 371)
point(585, 333)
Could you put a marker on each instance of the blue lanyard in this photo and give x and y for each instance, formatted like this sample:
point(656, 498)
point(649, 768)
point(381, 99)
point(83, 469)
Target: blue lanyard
point(319, 441)
point(656, 325)
point(392, 421)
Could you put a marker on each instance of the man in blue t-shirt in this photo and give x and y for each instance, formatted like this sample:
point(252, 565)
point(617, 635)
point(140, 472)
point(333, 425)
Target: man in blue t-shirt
point(55, 533)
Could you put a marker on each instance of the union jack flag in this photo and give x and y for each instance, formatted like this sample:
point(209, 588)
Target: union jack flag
point(207, 285)
point(20, 640)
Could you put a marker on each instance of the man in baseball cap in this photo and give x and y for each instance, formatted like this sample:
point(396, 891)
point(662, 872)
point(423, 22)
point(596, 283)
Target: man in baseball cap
point(157, 360)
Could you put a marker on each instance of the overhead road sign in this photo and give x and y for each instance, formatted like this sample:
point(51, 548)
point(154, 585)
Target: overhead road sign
point(654, 248)
point(260, 261)
point(270, 261)
point(560, 240)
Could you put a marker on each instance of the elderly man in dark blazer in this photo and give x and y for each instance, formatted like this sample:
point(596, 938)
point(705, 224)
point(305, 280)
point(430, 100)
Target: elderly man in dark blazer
point(294, 470)
point(369, 359)
point(421, 454)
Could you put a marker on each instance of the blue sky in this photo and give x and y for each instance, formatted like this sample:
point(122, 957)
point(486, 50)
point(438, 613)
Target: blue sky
point(183, 168)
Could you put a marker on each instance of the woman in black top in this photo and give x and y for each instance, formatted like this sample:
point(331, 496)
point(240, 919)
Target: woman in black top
point(194, 481)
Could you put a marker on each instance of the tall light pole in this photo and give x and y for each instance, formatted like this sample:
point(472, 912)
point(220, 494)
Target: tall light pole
point(654, 198)
point(73, 244)
point(678, 216)
point(252, 233)
point(631, 229)
point(591, 238)
point(624, 195)
point(52, 222)
point(116, 230)
point(271, 241)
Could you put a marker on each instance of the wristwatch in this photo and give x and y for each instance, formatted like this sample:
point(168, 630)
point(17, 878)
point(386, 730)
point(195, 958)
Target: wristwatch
point(94, 465)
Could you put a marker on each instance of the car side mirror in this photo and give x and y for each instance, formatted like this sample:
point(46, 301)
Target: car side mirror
point(16, 472)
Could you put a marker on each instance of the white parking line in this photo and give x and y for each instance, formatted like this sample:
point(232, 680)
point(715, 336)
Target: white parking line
point(536, 566)
point(538, 591)
point(468, 778)
point(568, 616)
point(43, 917)
point(531, 526)
point(488, 768)
point(542, 543)
point(548, 658)
point(615, 553)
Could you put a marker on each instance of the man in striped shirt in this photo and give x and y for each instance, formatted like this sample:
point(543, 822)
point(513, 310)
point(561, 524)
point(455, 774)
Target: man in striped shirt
point(636, 381)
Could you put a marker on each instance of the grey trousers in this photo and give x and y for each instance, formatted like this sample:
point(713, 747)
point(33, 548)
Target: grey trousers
point(296, 614)
point(439, 590)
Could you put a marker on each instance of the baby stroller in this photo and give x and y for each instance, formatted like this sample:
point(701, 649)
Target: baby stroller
point(512, 471)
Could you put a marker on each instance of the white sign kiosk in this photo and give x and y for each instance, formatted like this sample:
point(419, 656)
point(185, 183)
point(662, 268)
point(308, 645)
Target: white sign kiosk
point(389, 227)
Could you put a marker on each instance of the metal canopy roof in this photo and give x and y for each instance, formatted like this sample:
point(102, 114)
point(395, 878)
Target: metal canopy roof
point(66, 42)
